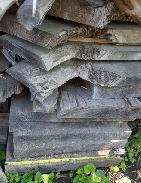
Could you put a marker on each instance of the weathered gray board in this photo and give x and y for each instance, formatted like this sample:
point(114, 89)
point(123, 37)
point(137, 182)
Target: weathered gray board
point(104, 73)
point(8, 87)
point(47, 59)
point(30, 15)
point(58, 164)
point(77, 11)
point(54, 139)
point(77, 102)
point(4, 64)
point(49, 34)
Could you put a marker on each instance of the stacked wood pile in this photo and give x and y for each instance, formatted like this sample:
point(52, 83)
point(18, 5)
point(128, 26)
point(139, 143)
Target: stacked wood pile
point(73, 78)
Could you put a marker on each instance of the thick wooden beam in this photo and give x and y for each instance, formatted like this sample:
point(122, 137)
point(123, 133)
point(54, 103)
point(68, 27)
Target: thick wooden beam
point(84, 13)
point(31, 13)
point(54, 139)
point(49, 34)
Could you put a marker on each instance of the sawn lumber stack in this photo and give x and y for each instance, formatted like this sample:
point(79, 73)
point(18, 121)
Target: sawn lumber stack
point(70, 81)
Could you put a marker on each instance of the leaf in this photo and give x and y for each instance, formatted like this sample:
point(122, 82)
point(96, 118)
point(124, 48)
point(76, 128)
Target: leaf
point(89, 168)
point(114, 169)
point(27, 178)
point(38, 177)
point(123, 166)
point(100, 173)
point(80, 171)
point(58, 175)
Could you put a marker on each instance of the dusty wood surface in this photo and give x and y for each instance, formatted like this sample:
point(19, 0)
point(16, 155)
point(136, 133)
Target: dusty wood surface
point(3, 178)
point(30, 15)
point(49, 34)
point(84, 13)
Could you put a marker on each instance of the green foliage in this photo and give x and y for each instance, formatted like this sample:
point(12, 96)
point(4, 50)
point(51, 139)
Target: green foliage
point(2, 156)
point(134, 148)
point(89, 174)
point(32, 178)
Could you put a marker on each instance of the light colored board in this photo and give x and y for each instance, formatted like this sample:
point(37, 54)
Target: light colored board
point(3, 178)
point(77, 11)
point(31, 13)
point(49, 34)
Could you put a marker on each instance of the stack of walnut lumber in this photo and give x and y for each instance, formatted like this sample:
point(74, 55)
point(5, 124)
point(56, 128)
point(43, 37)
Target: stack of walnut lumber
point(71, 80)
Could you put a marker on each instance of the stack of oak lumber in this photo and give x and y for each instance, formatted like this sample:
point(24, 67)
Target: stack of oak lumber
point(70, 72)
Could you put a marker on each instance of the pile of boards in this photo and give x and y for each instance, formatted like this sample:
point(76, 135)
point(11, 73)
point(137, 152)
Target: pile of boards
point(71, 80)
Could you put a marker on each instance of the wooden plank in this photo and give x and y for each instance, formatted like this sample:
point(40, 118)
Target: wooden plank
point(132, 8)
point(8, 87)
point(77, 11)
point(3, 128)
point(31, 14)
point(43, 83)
point(5, 5)
point(122, 33)
point(4, 64)
point(47, 59)
point(77, 102)
point(49, 34)
point(12, 165)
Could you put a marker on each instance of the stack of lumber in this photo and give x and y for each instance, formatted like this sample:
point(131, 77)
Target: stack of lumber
point(80, 68)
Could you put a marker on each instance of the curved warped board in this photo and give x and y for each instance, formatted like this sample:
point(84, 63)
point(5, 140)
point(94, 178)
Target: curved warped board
point(84, 13)
point(60, 163)
point(68, 139)
point(49, 34)
point(31, 13)
point(4, 64)
point(5, 5)
point(76, 102)
point(8, 87)
point(130, 7)
point(43, 83)
point(48, 59)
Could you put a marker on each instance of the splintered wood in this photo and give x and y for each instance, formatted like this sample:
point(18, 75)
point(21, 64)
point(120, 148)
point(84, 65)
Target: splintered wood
point(70, 81)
